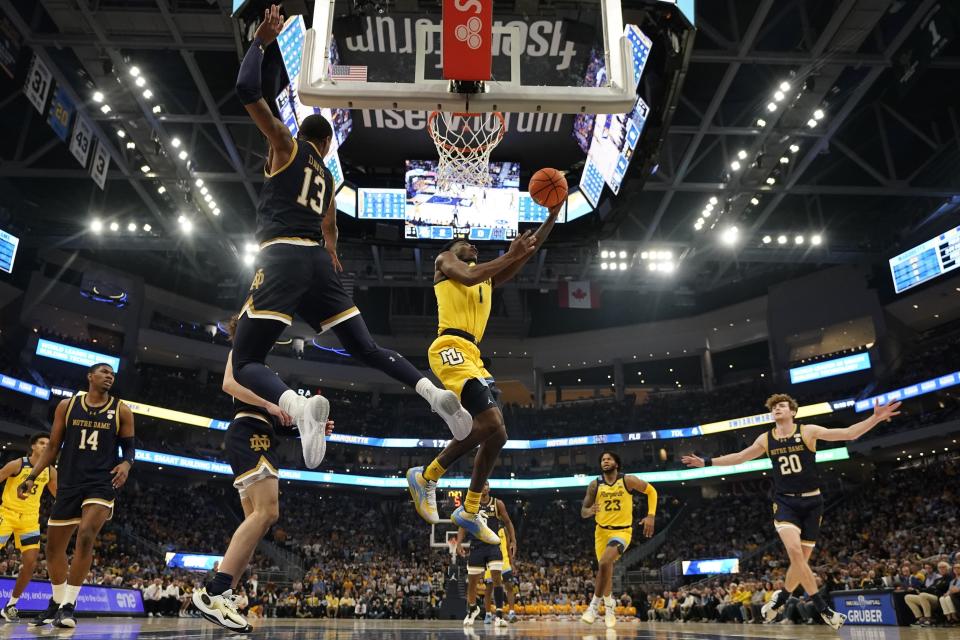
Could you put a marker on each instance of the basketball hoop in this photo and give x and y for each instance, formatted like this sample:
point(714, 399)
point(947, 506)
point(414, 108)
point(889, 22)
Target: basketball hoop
point(464, 142)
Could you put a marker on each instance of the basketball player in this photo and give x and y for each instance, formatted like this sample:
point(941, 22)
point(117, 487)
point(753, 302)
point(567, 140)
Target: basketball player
point(609, 501)
point(297, 267)
point(509, 578)
point(90, 427)
point(464, 291)
point(487, 557)
point(21, 518)
point(797, 501)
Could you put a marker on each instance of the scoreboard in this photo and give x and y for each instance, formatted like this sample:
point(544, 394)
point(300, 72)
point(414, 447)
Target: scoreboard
point(382, 204)
point(926, 261)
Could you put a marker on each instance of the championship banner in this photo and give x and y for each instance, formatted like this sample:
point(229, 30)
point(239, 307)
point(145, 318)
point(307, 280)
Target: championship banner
point(100, 165)
point(9, 46)
point(39, 80)
point(61, 111)
point(81, 141)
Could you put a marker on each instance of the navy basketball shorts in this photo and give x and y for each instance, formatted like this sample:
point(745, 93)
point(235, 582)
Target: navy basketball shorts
point(68, 506)
point(802, 513)
point(484, 556)
point(250, 447)
point(298, 279)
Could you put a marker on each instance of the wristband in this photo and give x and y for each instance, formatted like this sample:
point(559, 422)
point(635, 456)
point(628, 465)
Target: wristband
point(707, 461)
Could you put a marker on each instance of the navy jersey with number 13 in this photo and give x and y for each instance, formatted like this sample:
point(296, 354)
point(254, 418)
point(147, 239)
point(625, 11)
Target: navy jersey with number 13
point(295, 197)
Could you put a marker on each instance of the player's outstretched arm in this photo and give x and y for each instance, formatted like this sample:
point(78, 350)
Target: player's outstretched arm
point(755, 450)
point(11, 469)
point(50, 451)
point(458, 271)
point(589, 507)
point(504, 516)
point(636, 484)
point(250, 92)
point(881, 413)
point(541, 234)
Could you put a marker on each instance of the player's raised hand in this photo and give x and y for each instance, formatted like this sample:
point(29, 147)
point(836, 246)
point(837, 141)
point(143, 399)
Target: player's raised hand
point(692, 461)
point(523, 245)
point(886, 412)
point(120, 473)
point(553, 212)
point(271, 26)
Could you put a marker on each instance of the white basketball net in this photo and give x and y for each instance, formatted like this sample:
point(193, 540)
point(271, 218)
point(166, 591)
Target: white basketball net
point(464, 142)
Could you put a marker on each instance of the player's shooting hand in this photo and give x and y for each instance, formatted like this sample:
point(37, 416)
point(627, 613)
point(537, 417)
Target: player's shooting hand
point(120, 473)
point(271, 26)
point(329, 428)
point(24, 489)
point(648, 523)
point(886, 412)
point(553, 212)
point(335, 260)
point(692, 461)
point(523, 245)
point(285, 418)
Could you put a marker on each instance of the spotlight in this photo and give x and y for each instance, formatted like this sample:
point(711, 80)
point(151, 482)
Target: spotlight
point(735, 165)
point(811, 123)
point(105, 109)
point(771, 106)
point(199, 182)
point(818, 114)
point(183, 155)
point(251, 247)
point(114, 226)
point(161, 189)
point(623, 254)
point(699, 222)
point(667, 267)
point(96, 226)
point(604, 266)
point(132, 227)
point(778, 96)
point(140, 81)
point(713, 200)
point(145, 168)
point(771, 180)
point(816, 240)
point(742, 154)
point(729, 236)
point(131, 145)
point(204, 191)
point(784, 160)
point(186, 226)
point(213, 204)
point(157, 108)
point(147, 94)
point(134, 71)
point(248, 260)
point(208, 197)
point(175, 143)
point(147, 227)
point(709, 207)
point(794, 148)
point(754, 201)
point(707, 213)
point(761, 122)
point(121, 133)
point(781, 239)
point(652, 266)
point(767, 239)
point(798, 240)
point(216, 211)
point(784, 86)
point(97, 96)
point(644, 255)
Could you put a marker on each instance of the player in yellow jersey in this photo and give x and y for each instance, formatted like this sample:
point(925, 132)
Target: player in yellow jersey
point(464, 290)
point(21, 518)
point(609, 500)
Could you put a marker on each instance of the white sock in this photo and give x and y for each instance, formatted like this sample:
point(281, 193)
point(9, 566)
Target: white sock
point(13, 601)
point(595, 603)
point(58, 592)
point(70, 594)
point(290, 402)
point(426, 388)
point(609, 602)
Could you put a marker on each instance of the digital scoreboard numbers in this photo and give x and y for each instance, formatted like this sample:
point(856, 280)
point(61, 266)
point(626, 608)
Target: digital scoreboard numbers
point(926, 261)
point(381, 204)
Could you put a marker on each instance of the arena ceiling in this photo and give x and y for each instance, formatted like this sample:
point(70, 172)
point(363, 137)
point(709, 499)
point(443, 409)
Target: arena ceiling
point(880, 164)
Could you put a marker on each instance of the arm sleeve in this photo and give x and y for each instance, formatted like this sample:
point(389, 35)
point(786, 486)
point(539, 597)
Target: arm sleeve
point(651, 499)
point(129, 449)
point(248, 80)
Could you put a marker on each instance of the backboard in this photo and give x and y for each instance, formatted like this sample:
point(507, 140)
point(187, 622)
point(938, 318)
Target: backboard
point(481, 66)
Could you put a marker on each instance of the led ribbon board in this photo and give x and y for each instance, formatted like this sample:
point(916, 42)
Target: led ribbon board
point(565, 482)
point(830, 368)
point(74, 355)
point(710, 567)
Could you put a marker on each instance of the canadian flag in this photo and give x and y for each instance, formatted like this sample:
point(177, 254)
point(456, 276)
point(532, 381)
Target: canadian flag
point(579, 295)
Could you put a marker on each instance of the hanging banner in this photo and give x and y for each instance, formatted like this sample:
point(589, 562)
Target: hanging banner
point(9, 46)
point(61, 112)
point(100, 165)
point(81, 141)
point(38, 84)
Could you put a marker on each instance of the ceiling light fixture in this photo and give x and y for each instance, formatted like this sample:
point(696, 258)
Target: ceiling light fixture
point(134, 71)
point(735, 165)
point(97, 96)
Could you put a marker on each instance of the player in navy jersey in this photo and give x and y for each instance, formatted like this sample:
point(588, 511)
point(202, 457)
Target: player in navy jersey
point(297, 267)
point(797, 501)
point(87, 430)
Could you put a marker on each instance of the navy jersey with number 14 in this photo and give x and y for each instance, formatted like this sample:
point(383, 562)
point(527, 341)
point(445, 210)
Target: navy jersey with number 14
point(295, 197)
point(90, 443)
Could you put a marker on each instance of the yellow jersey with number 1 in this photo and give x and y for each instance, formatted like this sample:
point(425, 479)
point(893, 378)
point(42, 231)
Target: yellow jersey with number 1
point(31, 504)
point(614, 503)
point(462, 307)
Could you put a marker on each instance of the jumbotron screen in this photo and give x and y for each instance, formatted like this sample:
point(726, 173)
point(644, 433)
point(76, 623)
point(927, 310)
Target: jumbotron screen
point(475, 213)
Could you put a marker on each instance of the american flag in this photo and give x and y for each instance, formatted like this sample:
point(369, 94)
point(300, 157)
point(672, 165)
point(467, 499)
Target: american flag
point(348, 73)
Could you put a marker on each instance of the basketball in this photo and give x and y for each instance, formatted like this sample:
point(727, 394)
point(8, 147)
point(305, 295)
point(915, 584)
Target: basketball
point(548, 187)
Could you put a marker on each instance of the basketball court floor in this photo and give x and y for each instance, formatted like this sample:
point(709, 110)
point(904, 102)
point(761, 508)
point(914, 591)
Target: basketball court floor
point(288, 629)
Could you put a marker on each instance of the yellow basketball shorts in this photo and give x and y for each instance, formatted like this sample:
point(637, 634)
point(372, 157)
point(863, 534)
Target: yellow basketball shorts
point(604, 538)
point(24, 527)
point(456, 361)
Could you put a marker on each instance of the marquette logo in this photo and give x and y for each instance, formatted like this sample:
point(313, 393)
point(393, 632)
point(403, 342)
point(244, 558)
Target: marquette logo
point(259, 442)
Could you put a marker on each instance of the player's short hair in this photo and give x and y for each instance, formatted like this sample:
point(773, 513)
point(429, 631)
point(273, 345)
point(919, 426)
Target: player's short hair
point(777, 398)
point(613, 455)
point(450, 244)
point(38, 436)
point(315, 127)
point(96, 366)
